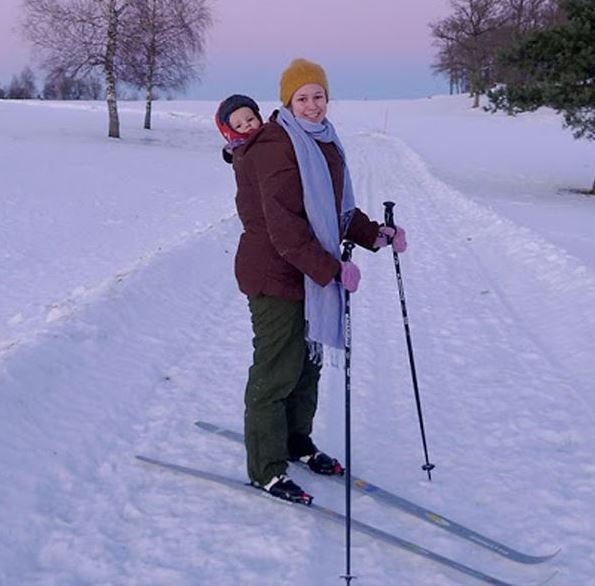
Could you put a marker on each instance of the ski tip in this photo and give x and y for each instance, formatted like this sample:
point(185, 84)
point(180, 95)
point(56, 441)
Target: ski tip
point(539, 559)
point(548, 579)
point(542, 582)
point(553, 554)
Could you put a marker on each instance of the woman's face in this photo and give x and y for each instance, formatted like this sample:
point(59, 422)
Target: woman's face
point(309, 103)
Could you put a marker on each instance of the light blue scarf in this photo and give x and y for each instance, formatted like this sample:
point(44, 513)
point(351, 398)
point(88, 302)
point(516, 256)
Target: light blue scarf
point(324, 306)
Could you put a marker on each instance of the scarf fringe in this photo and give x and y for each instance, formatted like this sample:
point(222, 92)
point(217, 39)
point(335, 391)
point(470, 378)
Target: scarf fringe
point(321, 355)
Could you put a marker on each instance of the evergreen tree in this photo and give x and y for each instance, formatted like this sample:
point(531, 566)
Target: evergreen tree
point(556, 68)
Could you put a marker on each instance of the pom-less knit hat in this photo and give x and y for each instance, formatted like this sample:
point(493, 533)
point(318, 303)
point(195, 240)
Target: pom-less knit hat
point(299, 73)
point(233, 103)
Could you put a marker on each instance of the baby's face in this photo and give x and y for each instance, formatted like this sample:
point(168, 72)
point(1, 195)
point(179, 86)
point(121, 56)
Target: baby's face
point(244, 120)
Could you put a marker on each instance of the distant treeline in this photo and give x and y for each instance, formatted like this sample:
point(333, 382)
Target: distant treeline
point(56, 86)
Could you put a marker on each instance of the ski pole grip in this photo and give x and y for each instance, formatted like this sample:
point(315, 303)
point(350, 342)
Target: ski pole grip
point(348, 247)
point(389, 216)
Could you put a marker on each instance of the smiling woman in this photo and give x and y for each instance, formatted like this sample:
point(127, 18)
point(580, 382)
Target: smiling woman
point(304, 89)
point(296, 203)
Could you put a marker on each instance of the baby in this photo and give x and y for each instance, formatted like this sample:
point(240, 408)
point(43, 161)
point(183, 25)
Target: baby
point(237, 118)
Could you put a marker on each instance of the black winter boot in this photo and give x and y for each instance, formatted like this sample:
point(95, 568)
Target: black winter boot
point(284, 488)
point(322, 463)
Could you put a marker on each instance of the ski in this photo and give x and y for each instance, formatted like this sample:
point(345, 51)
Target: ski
point(339, 519)
point(394, 500)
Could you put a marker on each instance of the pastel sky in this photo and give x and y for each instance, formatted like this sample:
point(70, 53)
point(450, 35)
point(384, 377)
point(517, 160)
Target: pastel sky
point(370, 49)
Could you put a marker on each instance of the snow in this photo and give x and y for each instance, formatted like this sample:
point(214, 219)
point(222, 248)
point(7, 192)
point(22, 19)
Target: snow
point(121, 324)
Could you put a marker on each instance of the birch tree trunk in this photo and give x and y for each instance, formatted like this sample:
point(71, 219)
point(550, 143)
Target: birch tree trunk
point(110, 77)
point(151, 58)
point(476, 99)
point(148, 108)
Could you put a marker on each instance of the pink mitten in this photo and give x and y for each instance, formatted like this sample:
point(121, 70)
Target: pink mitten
point(350, 276)
point(385, 237)
point(399, 240)
point(394, 236)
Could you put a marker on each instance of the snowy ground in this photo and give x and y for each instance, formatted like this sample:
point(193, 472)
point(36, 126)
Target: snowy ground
point(121, 324)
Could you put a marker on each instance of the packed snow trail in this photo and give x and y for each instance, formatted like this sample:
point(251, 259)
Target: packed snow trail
point(77, 400)
point(505, 396)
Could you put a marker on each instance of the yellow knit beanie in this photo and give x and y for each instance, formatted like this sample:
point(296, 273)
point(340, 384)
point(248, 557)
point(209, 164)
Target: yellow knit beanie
point(299, 73)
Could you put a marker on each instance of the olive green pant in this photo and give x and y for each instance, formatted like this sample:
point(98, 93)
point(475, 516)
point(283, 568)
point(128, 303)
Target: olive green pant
point(282, 389)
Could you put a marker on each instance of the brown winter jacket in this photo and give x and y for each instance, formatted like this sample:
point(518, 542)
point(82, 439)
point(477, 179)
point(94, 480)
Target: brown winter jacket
point(277, 246)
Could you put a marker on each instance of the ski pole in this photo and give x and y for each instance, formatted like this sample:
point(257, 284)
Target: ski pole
point(390, 222)
point(348, 247)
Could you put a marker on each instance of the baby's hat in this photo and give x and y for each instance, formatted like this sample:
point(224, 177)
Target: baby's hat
point(226, 108)
point(233, 103)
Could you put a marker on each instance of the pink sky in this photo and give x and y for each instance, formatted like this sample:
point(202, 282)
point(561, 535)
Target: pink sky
point(376, 48)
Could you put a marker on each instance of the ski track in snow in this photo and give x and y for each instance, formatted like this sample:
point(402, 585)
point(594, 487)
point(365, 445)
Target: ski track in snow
point(475, 268)
point(177, 333)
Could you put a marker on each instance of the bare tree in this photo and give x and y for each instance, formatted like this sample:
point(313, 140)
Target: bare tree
point(447, 37)
point(163, 41)
point(467, 38)
point(522, 18)
point(95, 90)
point(469, 41)
point(525, 16)
point(59, 86)
point(79, 37)
point(22, 86)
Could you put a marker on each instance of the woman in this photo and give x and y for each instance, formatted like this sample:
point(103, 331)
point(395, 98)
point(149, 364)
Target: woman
point(295, 201)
